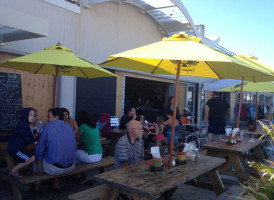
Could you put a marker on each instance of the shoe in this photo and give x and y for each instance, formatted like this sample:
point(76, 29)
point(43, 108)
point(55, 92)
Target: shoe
point(15, 174)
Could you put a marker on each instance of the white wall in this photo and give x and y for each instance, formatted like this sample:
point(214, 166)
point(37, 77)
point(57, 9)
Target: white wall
point(96, 33)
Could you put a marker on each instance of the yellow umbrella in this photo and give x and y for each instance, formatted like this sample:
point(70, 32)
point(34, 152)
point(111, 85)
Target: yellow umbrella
point(267, 87)
point(251, 60)
point(57, 60)
point(185, 55)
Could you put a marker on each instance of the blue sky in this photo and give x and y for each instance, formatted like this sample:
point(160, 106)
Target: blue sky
point(244, 26)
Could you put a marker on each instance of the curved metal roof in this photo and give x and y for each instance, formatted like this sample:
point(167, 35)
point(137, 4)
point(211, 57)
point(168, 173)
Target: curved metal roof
point(170, 15)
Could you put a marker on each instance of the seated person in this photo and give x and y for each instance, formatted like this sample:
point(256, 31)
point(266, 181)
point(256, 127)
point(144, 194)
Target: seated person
point(187, 116)
point(36, 126)
point(56, 147)
point(22, 136)
point(130, 148)
point(159, 128)
point(131, 115)
point(4, 138)
point(266, 121)
point(89, 136)
point(68, 119)
point(168, 126)
point(142, 120)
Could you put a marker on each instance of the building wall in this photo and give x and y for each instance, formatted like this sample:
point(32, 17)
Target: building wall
point(96, 33)
point(37, 89)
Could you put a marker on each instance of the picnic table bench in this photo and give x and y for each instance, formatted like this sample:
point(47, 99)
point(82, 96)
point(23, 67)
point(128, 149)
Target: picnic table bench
point(233, 154)
point(37, 177)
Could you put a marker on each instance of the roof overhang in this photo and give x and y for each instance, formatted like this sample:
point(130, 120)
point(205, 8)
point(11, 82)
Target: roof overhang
point(170, 15)
point(16, 25)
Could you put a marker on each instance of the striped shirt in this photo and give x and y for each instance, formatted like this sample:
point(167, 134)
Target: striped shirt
point(125, 151)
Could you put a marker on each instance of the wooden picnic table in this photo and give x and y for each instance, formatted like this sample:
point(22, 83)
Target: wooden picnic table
point(233, 154)
point(256, 133)
point(141, 183)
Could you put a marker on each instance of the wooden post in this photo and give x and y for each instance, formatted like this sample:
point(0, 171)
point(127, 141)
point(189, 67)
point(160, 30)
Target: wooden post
point(56, 86)
point(240, 104)
point(174, 114)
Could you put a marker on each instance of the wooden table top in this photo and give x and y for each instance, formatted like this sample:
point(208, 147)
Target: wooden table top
point(239, 148)
point(139, 179)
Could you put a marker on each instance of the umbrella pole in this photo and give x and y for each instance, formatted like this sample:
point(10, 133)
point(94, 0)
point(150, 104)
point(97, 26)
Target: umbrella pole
point(56, 86)
point(174, 114)
point(240, 104)
point(256, 111)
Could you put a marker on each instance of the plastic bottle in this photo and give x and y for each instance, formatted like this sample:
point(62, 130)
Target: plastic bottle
point(173, 161)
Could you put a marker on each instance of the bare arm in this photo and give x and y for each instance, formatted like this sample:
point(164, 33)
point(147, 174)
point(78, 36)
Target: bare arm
point(206, 110)
point(40, 169)
point(167, 122)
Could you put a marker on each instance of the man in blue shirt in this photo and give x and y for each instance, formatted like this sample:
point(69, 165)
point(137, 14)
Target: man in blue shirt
point(56, 148)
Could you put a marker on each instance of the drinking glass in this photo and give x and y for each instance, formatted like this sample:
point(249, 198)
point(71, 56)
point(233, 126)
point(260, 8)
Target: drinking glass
point(228, 130)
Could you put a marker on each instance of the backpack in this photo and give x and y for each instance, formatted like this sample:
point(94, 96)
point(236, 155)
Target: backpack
point(105, 126)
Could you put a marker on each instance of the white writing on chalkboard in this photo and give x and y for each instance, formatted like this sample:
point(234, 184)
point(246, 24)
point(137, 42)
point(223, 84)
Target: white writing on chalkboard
point(10, 100)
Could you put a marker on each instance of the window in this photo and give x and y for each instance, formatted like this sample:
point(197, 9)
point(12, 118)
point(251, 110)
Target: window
point(71, 5)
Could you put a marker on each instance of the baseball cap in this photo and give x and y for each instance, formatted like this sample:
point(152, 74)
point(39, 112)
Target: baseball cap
point(186, 109)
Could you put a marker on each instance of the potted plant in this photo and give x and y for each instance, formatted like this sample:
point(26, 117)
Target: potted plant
point(263, 187)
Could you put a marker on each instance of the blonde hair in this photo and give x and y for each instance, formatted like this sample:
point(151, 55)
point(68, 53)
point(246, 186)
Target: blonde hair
point(159, 122)
point(133, 124)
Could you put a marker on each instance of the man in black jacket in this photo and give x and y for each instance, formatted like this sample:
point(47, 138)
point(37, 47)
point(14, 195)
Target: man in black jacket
point(216, 110)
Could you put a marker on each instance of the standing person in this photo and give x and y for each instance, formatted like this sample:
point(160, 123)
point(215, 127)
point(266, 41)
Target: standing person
point(131, 115)
point(170, 107)
point(68, 119)
point(90, 138)
point(22, 137)
point(130, 148)
point(216, 110)
point(56, 148)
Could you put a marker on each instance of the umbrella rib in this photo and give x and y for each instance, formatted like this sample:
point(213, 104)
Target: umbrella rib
point(212, 69)
point(38, 69)
point(109, 61)
point(82, 72)
point(156, 66)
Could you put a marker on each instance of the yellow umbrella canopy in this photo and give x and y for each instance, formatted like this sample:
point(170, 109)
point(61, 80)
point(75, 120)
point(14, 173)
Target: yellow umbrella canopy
point(267, 87)
point(196, 59)
point(185, 55)
point(53, 57)
point(252, 60)
point(57, 60)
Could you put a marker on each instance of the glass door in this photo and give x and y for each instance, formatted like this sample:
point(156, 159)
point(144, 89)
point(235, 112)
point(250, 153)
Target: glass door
point(190, 97)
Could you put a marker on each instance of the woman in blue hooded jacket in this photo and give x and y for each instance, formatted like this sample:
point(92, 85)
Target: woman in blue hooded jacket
point(20, 139)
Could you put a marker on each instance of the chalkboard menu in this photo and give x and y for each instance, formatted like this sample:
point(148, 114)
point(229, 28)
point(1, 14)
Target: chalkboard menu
point(10, 100)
